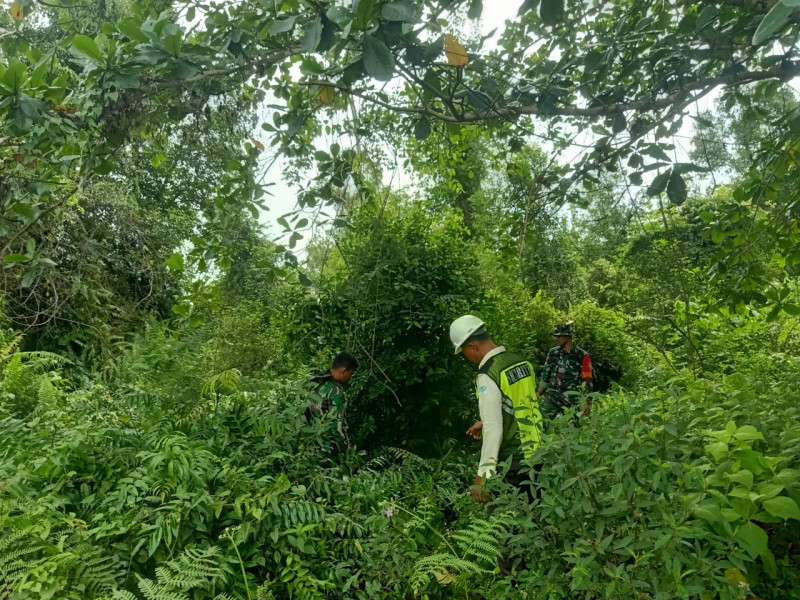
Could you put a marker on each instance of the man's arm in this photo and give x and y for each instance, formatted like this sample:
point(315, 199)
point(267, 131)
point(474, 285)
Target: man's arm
point(490, 406)
point(491, 411)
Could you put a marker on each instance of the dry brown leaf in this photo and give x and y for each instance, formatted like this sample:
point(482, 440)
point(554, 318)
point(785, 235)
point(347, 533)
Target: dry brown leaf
point(327, 94)
point(257, 144)
point(444, 578)
point(17, 11)
point(456, 53)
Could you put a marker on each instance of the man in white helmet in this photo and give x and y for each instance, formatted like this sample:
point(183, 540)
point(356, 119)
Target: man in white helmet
point(506, 391)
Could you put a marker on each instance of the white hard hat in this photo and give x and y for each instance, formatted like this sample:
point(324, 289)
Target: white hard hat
point(462, 329)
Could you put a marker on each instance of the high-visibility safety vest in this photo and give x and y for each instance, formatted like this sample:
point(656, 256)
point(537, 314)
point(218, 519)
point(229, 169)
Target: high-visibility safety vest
point(522, 421)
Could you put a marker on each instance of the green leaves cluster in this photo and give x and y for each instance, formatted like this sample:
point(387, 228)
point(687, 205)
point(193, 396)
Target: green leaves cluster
point(157, 482)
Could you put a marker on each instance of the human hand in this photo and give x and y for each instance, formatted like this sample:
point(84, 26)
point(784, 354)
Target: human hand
point(475, 430)
point(475, 490)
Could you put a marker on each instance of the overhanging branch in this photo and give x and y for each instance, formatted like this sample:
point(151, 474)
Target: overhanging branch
point(784, 71)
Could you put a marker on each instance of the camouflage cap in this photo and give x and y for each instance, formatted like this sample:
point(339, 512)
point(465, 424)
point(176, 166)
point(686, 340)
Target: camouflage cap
point(563, 329)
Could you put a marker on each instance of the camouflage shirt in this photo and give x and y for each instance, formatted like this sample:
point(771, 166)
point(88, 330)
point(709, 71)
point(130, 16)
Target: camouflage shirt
point(327, 401)
point(565, 372)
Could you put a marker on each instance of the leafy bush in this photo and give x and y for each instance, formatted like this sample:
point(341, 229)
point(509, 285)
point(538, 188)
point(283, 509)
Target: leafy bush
point(127, 490)
point(410, 273)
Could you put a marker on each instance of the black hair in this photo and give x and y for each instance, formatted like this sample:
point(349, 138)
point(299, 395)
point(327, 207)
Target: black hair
point(346, 360)
point(479, 336)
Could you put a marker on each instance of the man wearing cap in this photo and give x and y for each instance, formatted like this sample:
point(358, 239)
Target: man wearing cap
point(506, 389)
point(567, 372)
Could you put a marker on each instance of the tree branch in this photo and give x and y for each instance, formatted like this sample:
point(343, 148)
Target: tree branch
point(245, 70)
point(735, 79)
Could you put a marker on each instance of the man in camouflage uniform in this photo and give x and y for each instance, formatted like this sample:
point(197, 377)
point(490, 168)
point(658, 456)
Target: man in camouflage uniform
point(567, 372)
point(328, 400)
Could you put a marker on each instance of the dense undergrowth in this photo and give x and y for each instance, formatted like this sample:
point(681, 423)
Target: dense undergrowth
point(155, 485)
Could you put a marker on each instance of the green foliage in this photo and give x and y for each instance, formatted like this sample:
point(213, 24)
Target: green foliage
point(409, 274)
point(689, 488)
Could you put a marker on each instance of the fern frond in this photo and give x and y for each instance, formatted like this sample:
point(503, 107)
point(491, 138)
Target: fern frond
point(47, 392)
point(437, 565)
point(197, 411)
point(10, 348)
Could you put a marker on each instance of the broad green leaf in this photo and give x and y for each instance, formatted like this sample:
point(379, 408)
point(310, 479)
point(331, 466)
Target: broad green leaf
point(708, 512)
point(748, 432)
point(329, 37)
point(656, 152)
point(15, 76)
point(434, 50)
point(338, 14)
point(620, 123)
point(175, 262)
point(364, 12)
point(479, 100)
point(422, 130)
point(294, 238)
point(676, 188)
point(659, 183)
point(172, 43)
point(769, 490)
point(718, 450)
point(475, 9)
point(132, 30)
point(378, 59)
point(708, 14)
point(181, 309)
point(744, 477)
point(751, 461)
point(184, 69)
point(86, 46)
point(399, 11)
point(791, 309)
point(551, 11)
point(782, 507)
point(774, 20)
point(25, 210)
point(28, 277)
point(281, 25)
point(526, 6)
point(752, 538)
point(15, 258)
point(304, 280)
point(312, 35)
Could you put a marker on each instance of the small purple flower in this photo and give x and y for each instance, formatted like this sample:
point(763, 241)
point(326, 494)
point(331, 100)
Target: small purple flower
point(389, 512)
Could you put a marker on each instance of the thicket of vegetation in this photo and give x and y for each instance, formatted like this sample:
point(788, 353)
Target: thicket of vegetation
point(156, 337)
